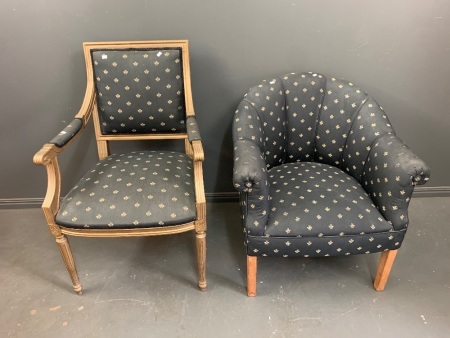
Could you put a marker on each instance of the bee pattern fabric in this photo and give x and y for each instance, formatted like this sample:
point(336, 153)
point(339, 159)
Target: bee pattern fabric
point(320, 170)
point(135, 91)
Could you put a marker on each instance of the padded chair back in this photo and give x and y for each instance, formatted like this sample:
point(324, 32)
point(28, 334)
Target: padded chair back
point(139, 91)
point(307, 117)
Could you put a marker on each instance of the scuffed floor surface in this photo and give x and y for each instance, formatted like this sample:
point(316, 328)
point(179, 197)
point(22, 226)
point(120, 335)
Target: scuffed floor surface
point(146, 287)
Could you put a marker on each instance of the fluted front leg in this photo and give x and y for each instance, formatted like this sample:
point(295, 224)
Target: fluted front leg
point(201, 258)
point(66, 253)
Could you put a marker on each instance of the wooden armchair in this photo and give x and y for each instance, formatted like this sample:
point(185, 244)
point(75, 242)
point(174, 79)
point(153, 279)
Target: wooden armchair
point(135, 91)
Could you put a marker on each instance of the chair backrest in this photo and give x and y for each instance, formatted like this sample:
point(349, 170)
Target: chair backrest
point(141, 88)
point(307, 117)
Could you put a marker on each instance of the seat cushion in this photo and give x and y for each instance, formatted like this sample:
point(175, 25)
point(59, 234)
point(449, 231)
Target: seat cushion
point(311, 199)
point(318, 210)
point(134, 190)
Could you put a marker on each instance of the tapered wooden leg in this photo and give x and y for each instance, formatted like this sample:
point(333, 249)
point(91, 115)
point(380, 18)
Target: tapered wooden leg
point(384, 268)
point(252, 262)
point(201, 258)
point(66, 253)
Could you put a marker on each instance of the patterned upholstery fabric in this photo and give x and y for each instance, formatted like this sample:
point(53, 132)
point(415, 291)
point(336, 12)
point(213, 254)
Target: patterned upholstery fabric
point(320, 169)
point(313, 199)
point(67, 133)
point(139, 91)
point(250, 167)
point(192, 129)
point(139, 189)
point(323, 246)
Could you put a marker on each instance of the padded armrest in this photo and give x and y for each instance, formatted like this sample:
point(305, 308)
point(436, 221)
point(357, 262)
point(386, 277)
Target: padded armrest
point(390, 174)
point(194, 138)
point(250, 177)
point(192, 129)
point(67, 133)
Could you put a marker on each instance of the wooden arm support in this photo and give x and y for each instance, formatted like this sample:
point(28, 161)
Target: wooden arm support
point(195, 150)
point(48, 156)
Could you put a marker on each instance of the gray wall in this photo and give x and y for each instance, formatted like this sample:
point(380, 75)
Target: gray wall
point(398, 51)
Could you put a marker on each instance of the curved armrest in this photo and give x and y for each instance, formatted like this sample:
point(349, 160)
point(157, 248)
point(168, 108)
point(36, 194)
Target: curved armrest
point(68, 133)
point(250, 177)
point(192, 129)
point(194, 147)
point(57, 144)
point(390, 174)
point(48, 156)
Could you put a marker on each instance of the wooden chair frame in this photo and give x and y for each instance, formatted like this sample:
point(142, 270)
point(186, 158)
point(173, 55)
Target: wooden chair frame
point(48, 156)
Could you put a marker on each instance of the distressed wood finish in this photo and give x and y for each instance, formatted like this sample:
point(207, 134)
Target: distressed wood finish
point(188, 148)
point(252, 263)
point(66, 253)
point(201, 259)
point(155, 231)
point(384, 268)
point(48, 157)
point(102, 145)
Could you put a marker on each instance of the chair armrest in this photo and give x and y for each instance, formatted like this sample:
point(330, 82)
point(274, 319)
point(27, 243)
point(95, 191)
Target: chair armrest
point(48, 156)
point(57, 144)
point(68, 133)
point(192, 129)
point(250, 178)
point(390, 174)
point(194, 147)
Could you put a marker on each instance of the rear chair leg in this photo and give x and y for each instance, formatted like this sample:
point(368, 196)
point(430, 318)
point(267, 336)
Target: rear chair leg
point(201, 259)
point(66, 253)
point(252, 262)
point(384, 268)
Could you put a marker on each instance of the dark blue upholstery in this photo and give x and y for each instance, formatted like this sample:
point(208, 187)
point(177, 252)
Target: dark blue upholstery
point(320, 169)
point(192, 129)
point(140, 90)
point(67, 134)
point(134, 190)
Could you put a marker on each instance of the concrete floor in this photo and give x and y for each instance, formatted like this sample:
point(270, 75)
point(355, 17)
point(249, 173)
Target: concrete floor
point(146, 287)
